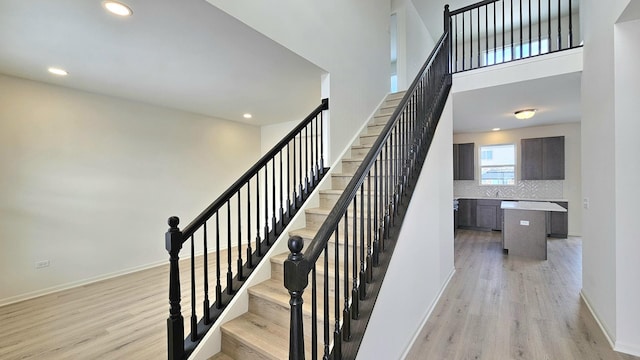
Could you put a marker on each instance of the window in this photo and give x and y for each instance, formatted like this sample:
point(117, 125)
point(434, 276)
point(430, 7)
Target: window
point(498, 164)
point(500, 55)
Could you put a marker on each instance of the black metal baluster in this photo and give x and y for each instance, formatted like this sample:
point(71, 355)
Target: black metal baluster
point(239, 261)
point(479, 39)
point(455, 20)
point(249, 249)
point(530, 51)
point(570, 26)
point(314, 314)
point(355, 303)
point(258, 240)
point(559, 27)
point(338, 333)
point(376, 196)
point(273, 203)
point(470, 39)
point(300, 172)
point(295, 187)
point(322, 138)
point(325, 307)
point(289, 216)
point(486, 35)
point(549, 23)
point(194, 316)
point(346, 312)
point(316, 170)
point(218, 283)
point(520, 8)
point(282, 222)
point(229, 268)
point(205, 303)
point(504, 29)
point(463, 43)
point(539, 28)
point(266, 203)
point(306, 159)
point(495, 36)
point(511, 38)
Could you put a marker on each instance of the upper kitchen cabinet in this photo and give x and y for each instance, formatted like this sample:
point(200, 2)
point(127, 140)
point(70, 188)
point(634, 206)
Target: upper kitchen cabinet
point(542, 158)
point(463, 161)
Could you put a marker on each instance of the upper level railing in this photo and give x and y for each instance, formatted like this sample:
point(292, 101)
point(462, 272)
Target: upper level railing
point(348, 256)
point(497, 31)
point(255, 208)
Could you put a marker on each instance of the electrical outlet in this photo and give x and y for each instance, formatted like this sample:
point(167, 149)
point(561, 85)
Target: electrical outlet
point(585, 203)
point(42, 264)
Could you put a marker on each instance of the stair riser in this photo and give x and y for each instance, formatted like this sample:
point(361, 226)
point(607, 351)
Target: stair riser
point(239, 350)
point(314, 221)
point(392, 102)
point(277, 273)
point(329, 201)
point(386, 110)
point(380, 119)
point(375, 129)
point(368, 140)
point(350, 167)
point(360, 152)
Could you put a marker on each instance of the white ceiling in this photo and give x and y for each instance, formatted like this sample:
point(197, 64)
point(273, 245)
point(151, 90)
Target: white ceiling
point(556, 98)
point(186, 55)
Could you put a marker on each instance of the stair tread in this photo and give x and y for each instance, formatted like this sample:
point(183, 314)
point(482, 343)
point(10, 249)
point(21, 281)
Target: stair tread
point(256, 332)
point(274, 292)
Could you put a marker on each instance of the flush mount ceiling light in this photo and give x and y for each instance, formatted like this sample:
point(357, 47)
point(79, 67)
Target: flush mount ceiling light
point(525, 114)
point(495, 129)
point(117, 8)
point(247, 116)
point(58, 71)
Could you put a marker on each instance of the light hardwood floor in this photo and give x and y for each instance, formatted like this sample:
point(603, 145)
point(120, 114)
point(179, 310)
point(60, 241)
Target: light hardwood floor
point(120, 318)
point(505, 307)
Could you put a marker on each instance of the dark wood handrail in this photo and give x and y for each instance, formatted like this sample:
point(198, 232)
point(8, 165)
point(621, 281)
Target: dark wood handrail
point(233, 189)
point(472, 6)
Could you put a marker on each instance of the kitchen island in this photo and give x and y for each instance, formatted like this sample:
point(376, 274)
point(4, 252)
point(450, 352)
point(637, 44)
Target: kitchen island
point(524, 230)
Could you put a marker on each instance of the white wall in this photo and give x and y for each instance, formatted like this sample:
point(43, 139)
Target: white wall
point(422, 261)
point(88, 181)
point(570, 187)
point(350, 40)
point(610, 173)
point(627, 148)
point(415, 43)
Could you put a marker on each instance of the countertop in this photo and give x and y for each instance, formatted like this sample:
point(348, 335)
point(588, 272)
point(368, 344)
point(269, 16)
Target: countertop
point(531, 205)
point(507, 199)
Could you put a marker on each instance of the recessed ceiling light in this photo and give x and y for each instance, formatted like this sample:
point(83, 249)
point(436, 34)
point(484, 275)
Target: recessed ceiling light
point(495, 129)
point(525, 114)
point(117, 8)
point(247, 116)
point(58, 71)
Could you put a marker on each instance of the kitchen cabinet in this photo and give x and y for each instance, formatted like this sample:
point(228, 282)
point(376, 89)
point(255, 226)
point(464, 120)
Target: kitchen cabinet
point(559, 222)
point(464, 161)
point(467, 213)
point(542, 158)
point(488, 214)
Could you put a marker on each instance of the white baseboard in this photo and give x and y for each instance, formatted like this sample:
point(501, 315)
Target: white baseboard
point(428, 314)
point(73, 284)
point(631, 349)
point(604, 329)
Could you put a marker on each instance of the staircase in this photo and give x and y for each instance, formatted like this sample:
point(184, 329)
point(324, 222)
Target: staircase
point(263, 332)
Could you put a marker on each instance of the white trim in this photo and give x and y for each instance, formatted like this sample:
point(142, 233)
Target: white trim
point(73, 284)
point(595, 316)
point(428, 314)
point(631, 349)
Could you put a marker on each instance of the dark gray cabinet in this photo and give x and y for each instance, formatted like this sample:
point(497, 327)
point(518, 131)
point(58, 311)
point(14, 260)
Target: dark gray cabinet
point(488, 214)
point(464, 161)
point(467, 213)
point(559, 221)
point(542, 158)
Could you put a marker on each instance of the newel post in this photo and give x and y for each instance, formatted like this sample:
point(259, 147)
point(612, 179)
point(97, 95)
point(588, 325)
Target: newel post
point(175, 322)
point(296, 274)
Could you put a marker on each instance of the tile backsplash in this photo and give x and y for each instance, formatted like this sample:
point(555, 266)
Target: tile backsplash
point(524, 189)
